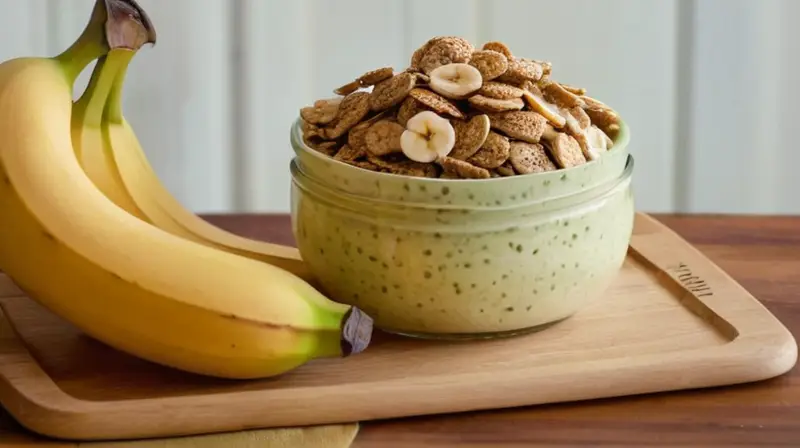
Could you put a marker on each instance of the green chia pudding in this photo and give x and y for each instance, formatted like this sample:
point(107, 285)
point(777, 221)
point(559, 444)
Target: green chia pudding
point(443, 208)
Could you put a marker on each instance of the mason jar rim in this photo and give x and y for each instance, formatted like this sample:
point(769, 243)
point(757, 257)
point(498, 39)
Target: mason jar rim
point(302, 180)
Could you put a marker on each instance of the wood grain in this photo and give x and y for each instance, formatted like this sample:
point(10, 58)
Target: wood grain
point(585, 422)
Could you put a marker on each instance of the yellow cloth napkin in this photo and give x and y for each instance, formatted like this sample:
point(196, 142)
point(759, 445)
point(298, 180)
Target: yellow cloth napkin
point(330, 436)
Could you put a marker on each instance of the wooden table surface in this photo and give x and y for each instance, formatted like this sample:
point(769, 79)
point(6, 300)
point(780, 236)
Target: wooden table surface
point(761, 253)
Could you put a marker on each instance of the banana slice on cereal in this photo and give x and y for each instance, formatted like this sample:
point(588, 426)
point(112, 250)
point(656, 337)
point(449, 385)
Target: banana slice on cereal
point(427, 137)
point(456, 80)
point(548, 110)
point(593, 142)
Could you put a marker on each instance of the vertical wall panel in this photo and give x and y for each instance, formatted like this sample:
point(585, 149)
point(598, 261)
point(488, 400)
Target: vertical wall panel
point(276, 79)
point(68, 18)
point(623, 52)
point(23, 28)
point(425, 19)
point(296, 52)
point(178, 99)
point(353, 37)
point(787, 156)
point(735, 138)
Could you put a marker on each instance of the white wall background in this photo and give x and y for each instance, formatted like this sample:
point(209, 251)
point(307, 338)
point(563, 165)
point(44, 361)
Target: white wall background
point(710, 88)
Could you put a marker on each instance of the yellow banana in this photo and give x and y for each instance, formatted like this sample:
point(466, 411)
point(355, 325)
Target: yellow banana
point(113, 158)
point(88, 140)
point(124, 281)
point(163, 210)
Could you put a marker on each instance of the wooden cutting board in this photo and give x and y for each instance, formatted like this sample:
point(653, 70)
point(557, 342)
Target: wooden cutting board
point(672, 320)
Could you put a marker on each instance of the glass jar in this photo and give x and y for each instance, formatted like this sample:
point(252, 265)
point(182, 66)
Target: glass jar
point(454, 259)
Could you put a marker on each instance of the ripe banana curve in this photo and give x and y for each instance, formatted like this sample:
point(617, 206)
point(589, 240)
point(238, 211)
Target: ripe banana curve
point(128, 283)
point(163, 210)
point(112, 157)
point(88, 140)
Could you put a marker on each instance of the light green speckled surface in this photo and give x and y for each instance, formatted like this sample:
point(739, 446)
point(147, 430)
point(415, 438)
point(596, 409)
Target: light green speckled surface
point(495, 255)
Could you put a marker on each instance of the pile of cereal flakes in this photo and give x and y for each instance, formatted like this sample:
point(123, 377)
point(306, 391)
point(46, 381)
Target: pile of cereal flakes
point(461, 113)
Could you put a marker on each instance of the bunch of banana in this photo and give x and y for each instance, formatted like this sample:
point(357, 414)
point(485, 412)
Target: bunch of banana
point(78, 200)
point(111, 155)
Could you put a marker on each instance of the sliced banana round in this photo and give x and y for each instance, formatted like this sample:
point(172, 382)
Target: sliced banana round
point(537, 103)
point(427, 137)
point(456, 80)
point(593, 141)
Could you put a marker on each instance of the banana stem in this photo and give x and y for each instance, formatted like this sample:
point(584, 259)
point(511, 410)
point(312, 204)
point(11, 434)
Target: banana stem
point(113, 24)
point(352, 337)
point(356, 332)
point(89, 108)
point(113, 110)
